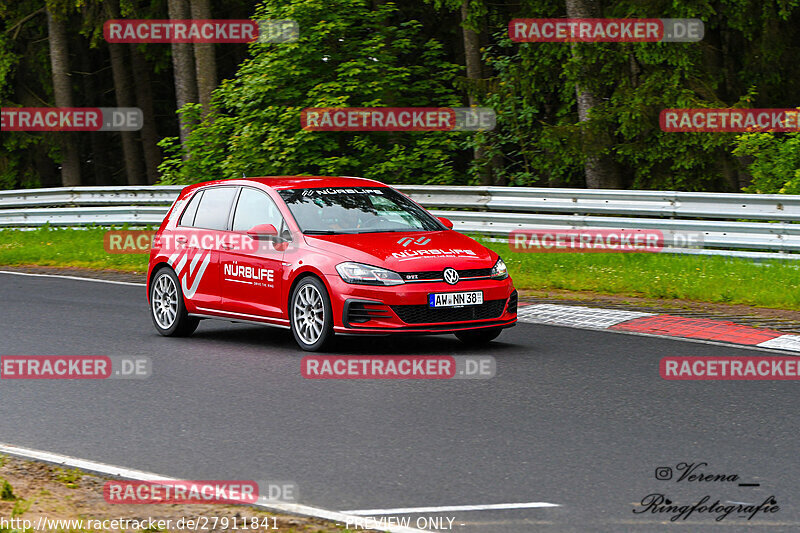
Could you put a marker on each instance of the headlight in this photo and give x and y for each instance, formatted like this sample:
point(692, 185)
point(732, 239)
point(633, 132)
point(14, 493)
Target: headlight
point(499, 270)
point(367, 275)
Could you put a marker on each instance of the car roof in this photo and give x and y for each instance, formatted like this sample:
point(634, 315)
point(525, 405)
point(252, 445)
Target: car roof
point(299, 182)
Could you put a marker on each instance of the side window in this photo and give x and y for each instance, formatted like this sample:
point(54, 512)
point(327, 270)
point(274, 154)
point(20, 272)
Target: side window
point(254, 208)
point(214, 208)
point(187, 219)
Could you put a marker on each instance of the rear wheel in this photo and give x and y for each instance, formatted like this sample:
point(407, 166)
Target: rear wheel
point(310, 315)
point(479, 336)
point(167, 307)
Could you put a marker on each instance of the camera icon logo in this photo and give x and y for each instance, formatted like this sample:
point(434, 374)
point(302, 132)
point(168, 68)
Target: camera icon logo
point(663, 473)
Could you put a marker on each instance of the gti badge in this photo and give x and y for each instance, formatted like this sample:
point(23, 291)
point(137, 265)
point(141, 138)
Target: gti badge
point(405, 241)
point(450, 276)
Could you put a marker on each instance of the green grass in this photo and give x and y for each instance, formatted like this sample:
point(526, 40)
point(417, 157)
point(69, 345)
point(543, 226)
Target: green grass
point(68, 477)
point(6, 491)
point(65, 248)
point(650, 275)
point(714, 279)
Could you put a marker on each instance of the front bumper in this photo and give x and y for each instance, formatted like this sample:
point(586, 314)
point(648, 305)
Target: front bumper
point(365, 309)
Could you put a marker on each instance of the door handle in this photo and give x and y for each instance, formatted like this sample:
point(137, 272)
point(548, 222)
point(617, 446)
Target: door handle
point(226, 246)
point(181, 239)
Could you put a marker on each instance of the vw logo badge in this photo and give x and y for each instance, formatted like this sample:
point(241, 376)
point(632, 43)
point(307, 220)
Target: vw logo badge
point(451, 276)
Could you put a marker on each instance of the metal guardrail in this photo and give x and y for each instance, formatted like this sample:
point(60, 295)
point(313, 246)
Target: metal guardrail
point(491, 211)
point(611, 202)
point(88, 196)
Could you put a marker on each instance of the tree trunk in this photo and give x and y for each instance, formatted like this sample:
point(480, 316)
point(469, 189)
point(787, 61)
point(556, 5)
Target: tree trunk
point(183, 69)
point(600, 170)
point(124, 96)
point(62, 90)
point(99, 149)
point(144, 99)
point(204, 59)
point(472, 60)
point(120, 71)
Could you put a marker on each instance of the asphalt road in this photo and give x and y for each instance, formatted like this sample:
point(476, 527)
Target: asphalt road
point(577, 418)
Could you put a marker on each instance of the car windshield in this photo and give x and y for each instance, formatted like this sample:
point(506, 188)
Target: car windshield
point(338, 210)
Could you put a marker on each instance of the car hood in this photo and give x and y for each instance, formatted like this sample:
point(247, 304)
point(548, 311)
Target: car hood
point(408, 252)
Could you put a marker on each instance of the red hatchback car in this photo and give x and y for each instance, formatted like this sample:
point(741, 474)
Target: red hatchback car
point(322, 255)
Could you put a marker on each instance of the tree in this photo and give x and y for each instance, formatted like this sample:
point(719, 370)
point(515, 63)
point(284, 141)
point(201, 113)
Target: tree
point(204, 59)
point(183, 69)
point(62, 91)
point(601, 172)
point(775, 163)
point(474, 68)
point(144, 100)
point(348, 54)
point(120, 71)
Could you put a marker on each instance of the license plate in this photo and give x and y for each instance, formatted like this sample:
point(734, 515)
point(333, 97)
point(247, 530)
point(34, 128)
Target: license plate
point(455, 299)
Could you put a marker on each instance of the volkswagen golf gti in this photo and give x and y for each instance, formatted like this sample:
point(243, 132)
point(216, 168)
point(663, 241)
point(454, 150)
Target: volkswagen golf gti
point(322, 256)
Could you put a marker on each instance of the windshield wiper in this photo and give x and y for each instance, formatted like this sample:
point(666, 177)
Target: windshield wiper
point(328, 232)
point(385, 230)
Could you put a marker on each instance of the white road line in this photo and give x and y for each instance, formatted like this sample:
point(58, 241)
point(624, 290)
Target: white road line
point(416, 510)
point(73, 277)
point(139, 475)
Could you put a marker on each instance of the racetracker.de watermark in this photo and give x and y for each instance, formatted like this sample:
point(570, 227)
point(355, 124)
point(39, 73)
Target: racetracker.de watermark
point(200, 31)
point(398, 367)
point(170, 492)
point(128, 241)
point(75, 367)
point(730, 120)
point(730, 368)
point(71, 119)
point(141, 242)
point(595, 30)
point(398, 119)
point(602, 240)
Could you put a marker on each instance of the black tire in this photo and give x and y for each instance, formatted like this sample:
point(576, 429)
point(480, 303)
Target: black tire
point(311, 331)
point(166, 299)
point(478, 337)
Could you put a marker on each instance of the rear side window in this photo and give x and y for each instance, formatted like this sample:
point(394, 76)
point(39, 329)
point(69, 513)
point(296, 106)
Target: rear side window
point(187, 219)
point(214, 208)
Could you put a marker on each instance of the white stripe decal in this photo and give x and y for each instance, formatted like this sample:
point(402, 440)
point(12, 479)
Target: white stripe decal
point(576, 316)
point(177, 268)
point(139, 475)
point(189, 292)
point(415, 510)
point(193, 264)
point(172, 258)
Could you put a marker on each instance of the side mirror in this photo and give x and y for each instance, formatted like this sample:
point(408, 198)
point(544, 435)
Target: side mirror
point(263, 231)
point(446, 221)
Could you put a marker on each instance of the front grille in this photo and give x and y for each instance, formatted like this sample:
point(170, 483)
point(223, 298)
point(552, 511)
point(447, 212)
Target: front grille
point(422, 314)
point(432, 275)
point(360, 312)
point(512, 302)
point(475, 273)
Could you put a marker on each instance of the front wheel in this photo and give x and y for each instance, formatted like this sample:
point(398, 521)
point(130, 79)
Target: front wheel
point(310, 315)
point(478, 336)
point(167, 308)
